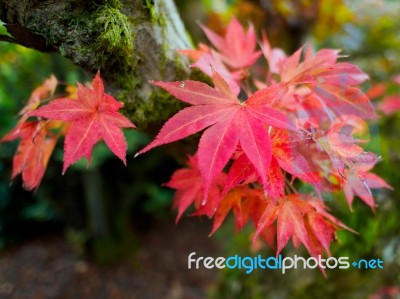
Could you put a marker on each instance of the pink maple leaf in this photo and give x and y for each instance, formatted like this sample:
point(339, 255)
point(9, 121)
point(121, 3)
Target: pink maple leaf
point(93, 116)
point(237, 47)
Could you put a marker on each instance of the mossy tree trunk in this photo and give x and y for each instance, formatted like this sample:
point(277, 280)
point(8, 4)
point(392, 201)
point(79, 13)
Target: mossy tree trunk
point(129, 41)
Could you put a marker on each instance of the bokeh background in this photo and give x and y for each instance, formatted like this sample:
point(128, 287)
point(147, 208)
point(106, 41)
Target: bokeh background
point(108, 231)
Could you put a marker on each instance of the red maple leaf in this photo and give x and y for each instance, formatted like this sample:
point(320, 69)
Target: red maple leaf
point(243, 201)
point(274, 56)
point(389, 105)
point(340, 135)
point(40, 93)
point(33, 153)
point(359, 181)
point(302, 218)
point(242, 172)
point(331, 82)
point(196, 54)
point(210, 62)
point(376, 91)
point(93, 116)
point(230, 123)
point(189, 189)
point(285, 148)
point(247, 204)
point(237, 47)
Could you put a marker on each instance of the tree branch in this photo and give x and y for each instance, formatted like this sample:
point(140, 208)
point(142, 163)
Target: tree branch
point(9, 39)
point(130, 41)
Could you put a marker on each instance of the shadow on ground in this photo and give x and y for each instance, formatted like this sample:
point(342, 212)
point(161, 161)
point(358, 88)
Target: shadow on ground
point(48, 267)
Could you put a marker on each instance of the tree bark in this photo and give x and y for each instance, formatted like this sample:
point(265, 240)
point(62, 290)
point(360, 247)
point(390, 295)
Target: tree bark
point(129, 41)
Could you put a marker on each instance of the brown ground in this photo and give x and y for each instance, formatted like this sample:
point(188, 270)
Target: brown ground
point(49, 268)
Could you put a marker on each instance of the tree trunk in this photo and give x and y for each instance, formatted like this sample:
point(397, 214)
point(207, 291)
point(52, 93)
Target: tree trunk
point(129, 41)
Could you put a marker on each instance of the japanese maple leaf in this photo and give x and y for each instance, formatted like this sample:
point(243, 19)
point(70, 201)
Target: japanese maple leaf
point(230, 123)
point(321, 67)
point(93, 116)
point(332, 83)
point(243, 201)
point(307, 110)
point(40, 93)
point(359, 181)
point(189, 189)
point(246, 204)
point(376, 91)
point(196, 54)
point(33, 153)
point(210, 62)
point(389, 105)
point(237, 47)
point(302, 218)
point(242, 171)
point(340, 135)
point(285, 149)
point(339, 143)
point(274, 56)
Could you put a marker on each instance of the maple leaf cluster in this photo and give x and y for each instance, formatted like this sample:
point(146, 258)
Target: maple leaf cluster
point(271, 122)
point(267, 130)
point(85, 117)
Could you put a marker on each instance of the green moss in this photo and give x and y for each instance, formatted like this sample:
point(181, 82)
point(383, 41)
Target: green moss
point(116, 36)
point(113, 3)
point(162, 105)
point(156, 110)
point(151, 9)
point(197, 75)
point(114, 44)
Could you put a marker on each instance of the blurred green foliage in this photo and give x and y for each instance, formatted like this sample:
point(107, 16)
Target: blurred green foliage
point(102, 208)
